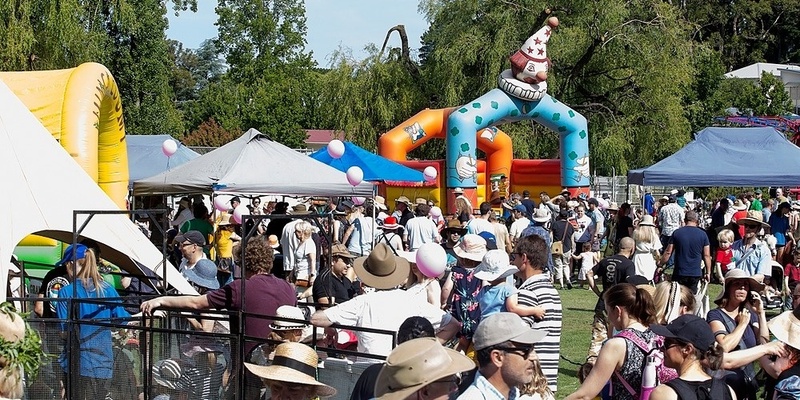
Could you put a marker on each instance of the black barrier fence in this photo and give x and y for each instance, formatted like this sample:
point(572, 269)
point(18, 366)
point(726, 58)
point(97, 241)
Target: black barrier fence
point(126, 358)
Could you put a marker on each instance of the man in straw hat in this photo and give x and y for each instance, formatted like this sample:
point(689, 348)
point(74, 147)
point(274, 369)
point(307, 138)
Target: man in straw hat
point(401, 210)
point(504, 345)
point(752, 255)
point(386, 307)
point(692, 252)
point(292, 374)
point(421, 369)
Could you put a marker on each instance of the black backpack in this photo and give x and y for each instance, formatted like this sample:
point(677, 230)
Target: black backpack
point(718, 390)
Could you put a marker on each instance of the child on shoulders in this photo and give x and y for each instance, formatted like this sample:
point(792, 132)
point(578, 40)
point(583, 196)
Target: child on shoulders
point(498, 294)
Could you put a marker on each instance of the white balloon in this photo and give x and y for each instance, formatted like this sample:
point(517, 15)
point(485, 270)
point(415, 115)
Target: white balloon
point(431, 259)
point(239, 212)
point(220, 203)
point(169, 147)
point(430, 174)
point(355, 175)
point(336, 149)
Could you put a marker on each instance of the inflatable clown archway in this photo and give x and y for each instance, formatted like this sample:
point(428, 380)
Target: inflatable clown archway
point(521, 95)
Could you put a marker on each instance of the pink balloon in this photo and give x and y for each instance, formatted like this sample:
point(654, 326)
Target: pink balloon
point(358, 200)
point(355, 175)
point(220, 204)
point(336, 149)
point(169, 147)
point(239, 212)
point(431, 259)
point(435, 212)
point(430, 174)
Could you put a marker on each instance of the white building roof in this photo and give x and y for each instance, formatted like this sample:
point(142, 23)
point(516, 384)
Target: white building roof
point(753, 71)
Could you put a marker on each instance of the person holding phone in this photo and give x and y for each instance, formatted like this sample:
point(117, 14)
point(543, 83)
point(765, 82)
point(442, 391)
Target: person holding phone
point(739, 323)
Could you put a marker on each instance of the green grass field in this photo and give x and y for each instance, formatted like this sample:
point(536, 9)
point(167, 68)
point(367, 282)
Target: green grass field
point(576, 332)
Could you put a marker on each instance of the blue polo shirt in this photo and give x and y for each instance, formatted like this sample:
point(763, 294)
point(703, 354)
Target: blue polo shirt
point(687, 245)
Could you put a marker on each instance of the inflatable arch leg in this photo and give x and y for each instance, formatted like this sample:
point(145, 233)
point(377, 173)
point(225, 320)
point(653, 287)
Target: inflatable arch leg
point(82, 108)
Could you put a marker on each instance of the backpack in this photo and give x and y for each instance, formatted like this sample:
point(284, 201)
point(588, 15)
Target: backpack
point(654, 372)
point(686, 391)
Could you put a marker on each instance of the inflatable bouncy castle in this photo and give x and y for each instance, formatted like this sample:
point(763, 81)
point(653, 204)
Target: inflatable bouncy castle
point(81, 108)
point(521, 95)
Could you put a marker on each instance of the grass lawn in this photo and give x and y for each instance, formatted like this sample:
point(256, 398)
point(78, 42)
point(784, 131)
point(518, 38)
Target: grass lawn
point(576, 333)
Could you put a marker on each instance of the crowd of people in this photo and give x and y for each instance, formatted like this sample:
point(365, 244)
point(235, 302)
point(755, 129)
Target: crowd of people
point(489, 325)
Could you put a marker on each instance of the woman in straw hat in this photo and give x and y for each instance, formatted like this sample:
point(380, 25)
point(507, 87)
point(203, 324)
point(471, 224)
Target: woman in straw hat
point(740, 323)
point(784, 371)
point(648, 248)
point(292, 374)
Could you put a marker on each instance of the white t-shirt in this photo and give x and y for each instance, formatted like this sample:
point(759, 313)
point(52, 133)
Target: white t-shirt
point(479, 225)
point(386, 309)
point(301, 266)
point(421, 230)
point(518, 226)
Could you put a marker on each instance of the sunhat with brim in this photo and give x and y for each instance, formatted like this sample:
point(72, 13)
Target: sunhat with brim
point(227, 220)
point(753, 217)
point(786, 328)
point(541, 216)
point(647, 220)
point(403, 199)
point(380, 203)
point(415, 364)
point(273, 241)
point(390, 223)
point(613, 206)
point(495, 265)
point(290, 312)
point(504, 327)
point(738, 205)
point(410, 256)
point(472, 247)
point(169, 373)
point(687, 328)
point(204, 273)
point(300, 209)
point(454, 225)
point(382, 269)
point(733, 275)
point(293, 363)
point(340, 250)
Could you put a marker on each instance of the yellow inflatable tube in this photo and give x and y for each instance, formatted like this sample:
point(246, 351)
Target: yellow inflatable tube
point(82, 108)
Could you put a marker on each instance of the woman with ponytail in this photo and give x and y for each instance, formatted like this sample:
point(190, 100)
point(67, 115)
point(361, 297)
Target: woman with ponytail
point(88, 360)
point(630, 311)
point(689, 347)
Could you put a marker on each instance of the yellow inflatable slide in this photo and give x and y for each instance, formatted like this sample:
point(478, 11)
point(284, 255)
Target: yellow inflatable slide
point(82, 108)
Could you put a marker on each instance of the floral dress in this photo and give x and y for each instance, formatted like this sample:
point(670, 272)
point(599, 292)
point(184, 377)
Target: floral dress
point(464, 305)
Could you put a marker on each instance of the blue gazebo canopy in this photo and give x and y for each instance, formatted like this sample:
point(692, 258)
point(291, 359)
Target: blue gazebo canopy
point(145, 158)
point(375, 167)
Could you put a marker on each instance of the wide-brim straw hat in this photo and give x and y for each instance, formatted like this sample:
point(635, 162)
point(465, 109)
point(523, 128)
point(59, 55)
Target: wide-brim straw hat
point(786, 328)
point(541, 215)
point(380, 203)
point(647, 220)
point(293, 363)
point(382, 269)
point(738, 205)
point(471, 247)
point(753, 217)
point(735, 274)
point(415, 364)
point(403, 199)
point(613, 206)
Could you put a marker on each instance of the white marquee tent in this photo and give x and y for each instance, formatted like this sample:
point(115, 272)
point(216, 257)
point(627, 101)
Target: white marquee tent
point(43, 186)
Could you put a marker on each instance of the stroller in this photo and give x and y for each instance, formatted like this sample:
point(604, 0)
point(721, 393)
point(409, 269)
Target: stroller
point(774, 299)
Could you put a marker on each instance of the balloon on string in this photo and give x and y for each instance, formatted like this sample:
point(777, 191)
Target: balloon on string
point(358, 200)
point(430, 174)
point(169, 147)
point(239, 212)
point(431, 259)
point(355, 175)
point(220, 204)
point(336, 149)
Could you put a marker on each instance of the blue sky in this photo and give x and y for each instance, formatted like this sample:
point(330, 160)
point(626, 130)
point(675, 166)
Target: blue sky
point(350, 23)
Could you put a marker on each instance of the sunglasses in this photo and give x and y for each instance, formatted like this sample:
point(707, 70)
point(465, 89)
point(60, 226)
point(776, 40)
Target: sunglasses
point(513, 256)
point(751, 226)
point(523, 352)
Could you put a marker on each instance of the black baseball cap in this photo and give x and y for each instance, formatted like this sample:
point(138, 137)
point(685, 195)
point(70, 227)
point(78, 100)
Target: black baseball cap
point(687, 328)
point(193, 237)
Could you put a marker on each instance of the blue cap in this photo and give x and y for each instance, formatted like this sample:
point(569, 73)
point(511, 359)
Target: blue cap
point(520, 207)
point(78, 253)
point(204, 274)
point(491, 240)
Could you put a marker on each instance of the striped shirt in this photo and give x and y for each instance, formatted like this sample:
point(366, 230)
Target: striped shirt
point(538, 291)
